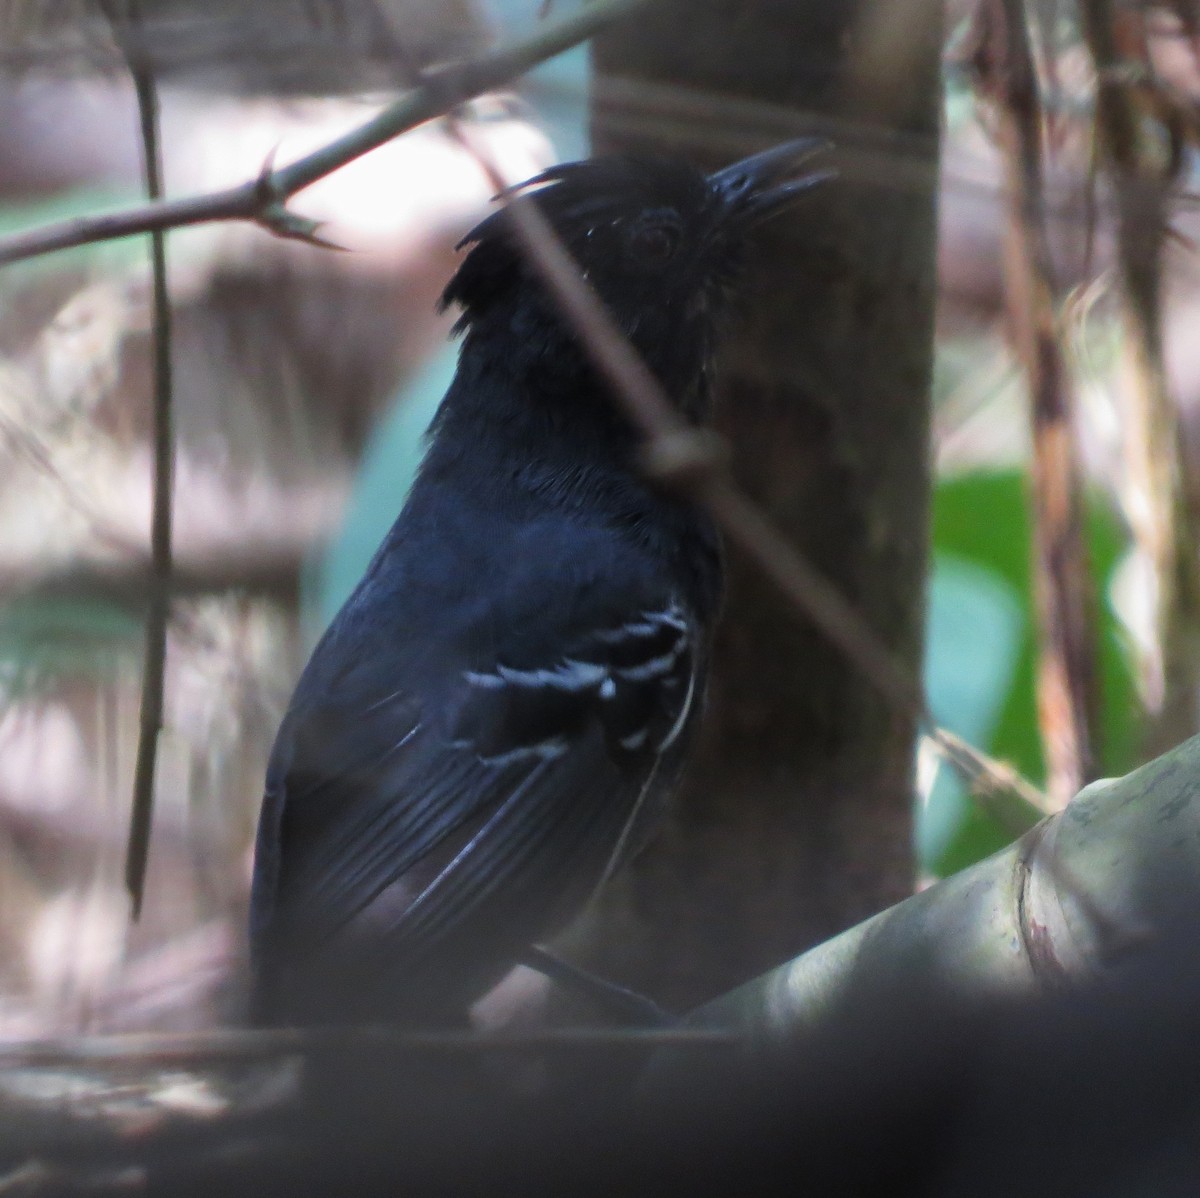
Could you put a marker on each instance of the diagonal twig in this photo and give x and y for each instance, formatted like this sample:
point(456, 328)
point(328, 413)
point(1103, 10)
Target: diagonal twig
point(264, 200)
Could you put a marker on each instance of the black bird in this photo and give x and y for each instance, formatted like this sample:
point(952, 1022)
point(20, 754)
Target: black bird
point(495, 718)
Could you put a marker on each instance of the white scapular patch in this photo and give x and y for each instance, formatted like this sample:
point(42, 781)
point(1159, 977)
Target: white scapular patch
point(673, 616)
point(568, 675)
point(545, 750)
point(614, 636)
point(574, 676)
point(654, 668)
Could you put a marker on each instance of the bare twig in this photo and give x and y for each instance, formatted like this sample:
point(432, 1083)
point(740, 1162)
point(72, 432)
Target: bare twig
point(1068, 699)
point(1158, 506)
point(695, 461)
point(127, 28)
point(264, 200)
point(268, 568)
point(1009, 797)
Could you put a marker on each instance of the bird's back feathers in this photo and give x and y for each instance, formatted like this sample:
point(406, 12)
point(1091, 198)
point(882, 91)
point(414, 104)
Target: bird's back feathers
point(442, 771)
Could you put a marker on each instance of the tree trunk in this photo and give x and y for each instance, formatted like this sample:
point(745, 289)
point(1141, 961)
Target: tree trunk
point(795, 821)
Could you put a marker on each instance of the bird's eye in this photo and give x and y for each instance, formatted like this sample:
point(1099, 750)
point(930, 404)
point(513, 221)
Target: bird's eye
point(654, 245)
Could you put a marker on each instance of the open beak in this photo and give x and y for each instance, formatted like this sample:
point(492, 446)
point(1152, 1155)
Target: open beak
point(759, 187)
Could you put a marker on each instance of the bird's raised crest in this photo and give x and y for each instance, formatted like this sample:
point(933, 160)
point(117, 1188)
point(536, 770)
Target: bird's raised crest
point(578, 199)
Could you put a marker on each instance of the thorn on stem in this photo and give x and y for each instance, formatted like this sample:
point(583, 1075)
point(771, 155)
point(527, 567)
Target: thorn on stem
point(275, 216)
point(279, 219)
point(266, 189)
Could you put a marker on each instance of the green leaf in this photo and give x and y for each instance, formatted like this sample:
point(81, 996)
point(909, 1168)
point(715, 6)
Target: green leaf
point(975, 627)
point(983, 517)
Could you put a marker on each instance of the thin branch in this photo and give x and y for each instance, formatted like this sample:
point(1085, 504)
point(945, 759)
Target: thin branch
point(1004, 792)
point(127, 29)
point(1068, 699)
point(695, 462)
point(265, 568)
point(264, 200)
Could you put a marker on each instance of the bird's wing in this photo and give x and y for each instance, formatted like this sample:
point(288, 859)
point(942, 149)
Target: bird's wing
point(411, 810)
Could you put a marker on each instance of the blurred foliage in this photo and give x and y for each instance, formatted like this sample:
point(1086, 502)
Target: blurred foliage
point(42, 641)
point(983, 518)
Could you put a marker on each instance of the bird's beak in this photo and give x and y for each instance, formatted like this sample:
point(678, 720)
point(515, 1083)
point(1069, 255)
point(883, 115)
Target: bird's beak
point(759, 187)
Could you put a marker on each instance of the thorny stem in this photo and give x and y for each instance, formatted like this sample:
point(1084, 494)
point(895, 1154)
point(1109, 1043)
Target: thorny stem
point(263, 200)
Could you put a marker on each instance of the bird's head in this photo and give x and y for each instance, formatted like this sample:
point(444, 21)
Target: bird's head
point(660, 242)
